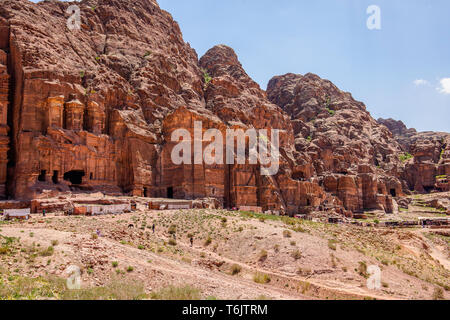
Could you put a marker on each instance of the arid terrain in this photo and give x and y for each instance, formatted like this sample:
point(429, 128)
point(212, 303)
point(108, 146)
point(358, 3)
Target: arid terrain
point(235, 255)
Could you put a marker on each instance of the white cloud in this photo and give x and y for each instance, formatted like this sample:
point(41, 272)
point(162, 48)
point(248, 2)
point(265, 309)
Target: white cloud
point(445, 86)
point(421, 82)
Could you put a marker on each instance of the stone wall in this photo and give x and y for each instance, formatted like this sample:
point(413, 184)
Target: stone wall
point(4, 138)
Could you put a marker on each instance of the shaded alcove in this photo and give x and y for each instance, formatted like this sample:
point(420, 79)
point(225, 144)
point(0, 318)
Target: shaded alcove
point(75, 176)
point(55, 177)
point(170, 193)
point(393, 193)
point(42, 176)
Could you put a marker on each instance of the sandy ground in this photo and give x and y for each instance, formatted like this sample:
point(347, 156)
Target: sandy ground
point(302, 259)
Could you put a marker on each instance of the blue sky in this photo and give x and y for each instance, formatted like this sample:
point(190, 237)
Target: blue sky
point(401, 71)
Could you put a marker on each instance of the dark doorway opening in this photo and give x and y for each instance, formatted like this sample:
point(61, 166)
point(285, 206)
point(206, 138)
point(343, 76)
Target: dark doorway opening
point(393, 193)
point(145, 192)
point(428, 189)
point(74, 176)
point(91, 176)
point(55, 177)
point(300, 176)
point(170, 193)
point(308, 202)
point(42, 176)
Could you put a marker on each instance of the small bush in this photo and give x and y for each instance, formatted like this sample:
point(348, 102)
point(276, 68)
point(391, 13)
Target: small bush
point(261, 278)
point(115, 264)
point(304, 271)
point(287, 234)
point(130, 269)
point(362, 269)
point(47, 252)
point(176, 293)
point(208, 241)
point(332, 244)
point(235, 269)
point(172, 229)
point(172, 242)
point(262, 255)
point(4, 250)
point(55, 243)
point(206, 77)
point(296, 254)
point(405, 157)
point(438, 294)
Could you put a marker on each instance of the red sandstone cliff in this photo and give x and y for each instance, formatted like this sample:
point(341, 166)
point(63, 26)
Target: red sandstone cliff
point(429, 167)
point(94, 109)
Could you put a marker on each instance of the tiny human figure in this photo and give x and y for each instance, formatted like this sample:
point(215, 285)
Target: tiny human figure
point(43, 212)
point(153, 228)
point(192, 241)
point(99, 233)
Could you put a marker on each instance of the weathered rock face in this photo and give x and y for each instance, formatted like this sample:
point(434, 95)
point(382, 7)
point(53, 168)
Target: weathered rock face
point(429, 168)
point(240, 103)
point(4, 139)
point(95, 109)
point(88, 105)
point(338, 142)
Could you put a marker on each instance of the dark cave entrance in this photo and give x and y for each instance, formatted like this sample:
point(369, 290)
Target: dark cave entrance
point(42, 176)
point(393, 193)
point(170, 193)
point(146, 195)
point(300, 176)
point(428, 189)
point(75, 176)
point(55, 177)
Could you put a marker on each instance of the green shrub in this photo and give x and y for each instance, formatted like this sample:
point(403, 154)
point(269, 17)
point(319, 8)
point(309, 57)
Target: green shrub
point(235, 269)
point(47, 252)
point(287, 234)
point(332, 244)
point(176, 293)
point(362, 269)
point(208, 241)
point(296, 254)
point(261, 278)
point(172, 229)
point(438, 294)
point(206, 77)
point(262, 255)
point(405, 157)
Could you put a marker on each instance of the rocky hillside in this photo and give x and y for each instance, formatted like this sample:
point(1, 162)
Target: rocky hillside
point(428, 156)
point(94, 109)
